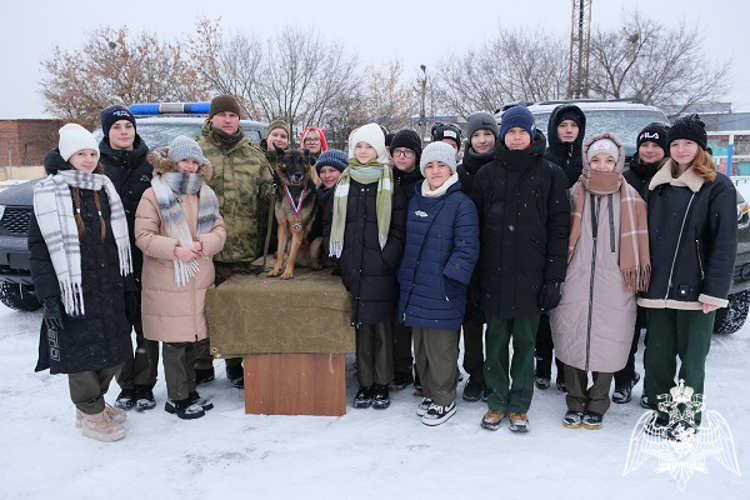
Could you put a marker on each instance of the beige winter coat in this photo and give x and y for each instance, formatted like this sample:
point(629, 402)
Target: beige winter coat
point(603, 344)
point(172, 314)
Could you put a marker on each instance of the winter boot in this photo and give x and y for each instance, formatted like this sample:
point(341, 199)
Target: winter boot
point(542, 382)
point(204, 403)
point(381, 398)
point(363, 399)
point(644, 400)
point(102, 427)
point(592, 420)
point(438, 414)
point(401, 381)
point(624, 393)
point(423, 407)
point(486, 393)
point(236, 376)
point(473, 390)
point(572, 419)
point(492, 419)
point(203, 376)
point(116, 414)
point(561, 385)
point(185, 409)
point(144, 398)
point(519, 422)
point(126, 399)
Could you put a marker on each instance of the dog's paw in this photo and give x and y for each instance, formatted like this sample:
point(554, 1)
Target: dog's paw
point(287, 276)
point(273, 273)
point(316, 267)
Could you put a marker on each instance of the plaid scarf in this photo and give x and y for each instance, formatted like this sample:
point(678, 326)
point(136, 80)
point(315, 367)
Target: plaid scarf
point(635, 259)
point(53, 208)
point(364, 174)
point(168, 187)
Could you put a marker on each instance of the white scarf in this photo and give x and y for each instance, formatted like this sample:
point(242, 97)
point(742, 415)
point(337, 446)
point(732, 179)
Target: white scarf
point(53, 208)
point(428, 193)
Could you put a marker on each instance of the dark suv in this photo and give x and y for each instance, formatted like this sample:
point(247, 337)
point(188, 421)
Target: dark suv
point(16, 203)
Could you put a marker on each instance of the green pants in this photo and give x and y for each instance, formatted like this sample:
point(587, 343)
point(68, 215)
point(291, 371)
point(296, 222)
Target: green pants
point(87, 389)
point(437, 353)
point(144, 367)
point(375, 354)
point(504, 396)
point(581, 397)
point(179, 370)
point(673, 333)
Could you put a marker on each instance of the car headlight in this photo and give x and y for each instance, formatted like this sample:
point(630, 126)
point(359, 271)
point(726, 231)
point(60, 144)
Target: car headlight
point(743, 215)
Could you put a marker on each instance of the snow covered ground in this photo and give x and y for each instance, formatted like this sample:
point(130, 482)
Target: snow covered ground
point(365, 454)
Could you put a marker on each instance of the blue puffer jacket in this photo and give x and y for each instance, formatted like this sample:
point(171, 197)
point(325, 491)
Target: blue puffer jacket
point(442, 248)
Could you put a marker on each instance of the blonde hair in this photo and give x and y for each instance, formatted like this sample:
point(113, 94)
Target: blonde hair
point(311, 134)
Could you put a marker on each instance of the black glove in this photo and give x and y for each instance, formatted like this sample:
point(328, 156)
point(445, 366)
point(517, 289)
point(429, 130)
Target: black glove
point(550, 296)
point(52, 313)
point(132, 307)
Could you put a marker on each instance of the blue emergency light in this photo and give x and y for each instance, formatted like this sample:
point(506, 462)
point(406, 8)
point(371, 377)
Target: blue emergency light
point(168, 108)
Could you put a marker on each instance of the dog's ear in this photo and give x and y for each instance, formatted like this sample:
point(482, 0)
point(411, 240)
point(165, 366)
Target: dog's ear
point(279, 152)
point(308, 157)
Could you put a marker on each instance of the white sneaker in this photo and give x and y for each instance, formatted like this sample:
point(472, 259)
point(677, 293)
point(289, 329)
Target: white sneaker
point(438, 414)
point(423, 407)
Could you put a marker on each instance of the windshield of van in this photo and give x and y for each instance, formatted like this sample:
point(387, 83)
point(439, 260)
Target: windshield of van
point(623, 123)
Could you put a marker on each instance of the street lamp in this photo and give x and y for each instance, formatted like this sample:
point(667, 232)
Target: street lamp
point(422, 118)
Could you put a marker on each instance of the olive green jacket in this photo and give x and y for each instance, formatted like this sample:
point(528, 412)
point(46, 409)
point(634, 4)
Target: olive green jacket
point(242, 182)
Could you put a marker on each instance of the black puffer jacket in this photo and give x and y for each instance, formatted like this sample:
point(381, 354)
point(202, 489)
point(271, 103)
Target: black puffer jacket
point(407, 181)
point(368, 272)
point(131, 174)
point(471, 164)
point(101, 337)
point(566, 155)
point(524, 219)
point(692, 229)
point(640, 174)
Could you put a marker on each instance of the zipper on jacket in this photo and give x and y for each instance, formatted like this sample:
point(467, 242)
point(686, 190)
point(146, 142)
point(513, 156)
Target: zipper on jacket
point(700, 260)
point(595, 233)
point(677, 248)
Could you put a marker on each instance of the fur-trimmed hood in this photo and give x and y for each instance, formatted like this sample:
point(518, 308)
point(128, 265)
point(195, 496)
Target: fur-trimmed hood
point(620, 166)
point(159, 159)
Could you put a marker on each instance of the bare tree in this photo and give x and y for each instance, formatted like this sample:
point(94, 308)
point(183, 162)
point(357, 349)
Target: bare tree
point(115, 68)
point(657, 64)
point(390, 100)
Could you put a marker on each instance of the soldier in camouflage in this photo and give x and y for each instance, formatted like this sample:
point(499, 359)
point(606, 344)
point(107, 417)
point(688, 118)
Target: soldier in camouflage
point(242, 182)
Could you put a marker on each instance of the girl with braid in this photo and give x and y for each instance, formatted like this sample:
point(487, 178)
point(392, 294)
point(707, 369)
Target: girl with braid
point(81, 265)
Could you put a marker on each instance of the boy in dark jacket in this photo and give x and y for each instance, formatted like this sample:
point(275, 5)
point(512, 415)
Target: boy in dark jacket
point(364, 229)
point(565, 131)
point(442, 247)
point(405, 152)
point(524, 213)
point(123, 156)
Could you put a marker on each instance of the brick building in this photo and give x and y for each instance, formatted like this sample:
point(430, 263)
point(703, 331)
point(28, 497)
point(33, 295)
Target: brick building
point(25, 142)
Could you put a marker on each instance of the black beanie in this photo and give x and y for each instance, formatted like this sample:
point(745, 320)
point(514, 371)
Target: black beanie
point(570, 115)
point(408, 139)
point(654, 132)
point(112, 114)
point(222, 103)
point(442, 131)
point(689, 127)
point(389, 139)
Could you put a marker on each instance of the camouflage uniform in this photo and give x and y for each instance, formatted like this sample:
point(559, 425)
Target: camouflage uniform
point(242, 182)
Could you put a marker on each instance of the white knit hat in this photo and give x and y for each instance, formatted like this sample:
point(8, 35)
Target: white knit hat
point(438, 151)
point(372, 134)
point(74, 138)
point(604, 146)
point(183, 147)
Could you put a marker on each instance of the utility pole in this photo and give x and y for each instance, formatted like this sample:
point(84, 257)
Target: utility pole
point(422, 117)
point(580, 35)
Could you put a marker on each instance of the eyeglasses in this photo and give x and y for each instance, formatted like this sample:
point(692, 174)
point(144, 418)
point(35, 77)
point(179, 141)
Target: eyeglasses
point(406, 153)
point(312, 141)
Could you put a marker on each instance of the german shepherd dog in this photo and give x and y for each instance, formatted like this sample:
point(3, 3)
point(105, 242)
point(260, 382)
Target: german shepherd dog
point(295, 209)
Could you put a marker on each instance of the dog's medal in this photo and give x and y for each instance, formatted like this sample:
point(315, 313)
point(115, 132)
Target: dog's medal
point(297, 226)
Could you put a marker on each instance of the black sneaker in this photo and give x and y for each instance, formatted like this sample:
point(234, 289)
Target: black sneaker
point(561, 385)
point(473, 390)
point(542, 382)
point(203, 376)
point(363, 399)
point(186, 409)
point(592, 420)
point(644, 400)
point(381, 398)
point(401, 381)
point(658, 427)
point(236, 375)
point(423, 407)
point(126, 399)
point(438, 414)
point(204, 403)
point(624, 393)
point(573, 419)
point(144, 397)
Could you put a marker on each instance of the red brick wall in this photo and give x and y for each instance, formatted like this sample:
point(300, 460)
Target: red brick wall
point(27, 140)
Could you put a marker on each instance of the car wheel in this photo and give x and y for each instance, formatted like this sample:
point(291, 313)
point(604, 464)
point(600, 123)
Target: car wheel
point(731, 318)
point(18, 296)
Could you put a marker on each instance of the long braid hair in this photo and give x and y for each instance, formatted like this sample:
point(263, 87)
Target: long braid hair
point(77, 205)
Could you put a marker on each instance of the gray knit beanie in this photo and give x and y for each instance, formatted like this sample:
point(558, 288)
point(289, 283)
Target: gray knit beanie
point(479, 121)
point(438, 151)
point(183, 148)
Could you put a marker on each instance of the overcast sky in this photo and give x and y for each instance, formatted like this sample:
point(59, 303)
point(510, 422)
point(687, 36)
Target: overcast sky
point(414, 32)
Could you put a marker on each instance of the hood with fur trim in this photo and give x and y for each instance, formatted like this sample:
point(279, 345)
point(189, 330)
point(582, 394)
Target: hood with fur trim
point(159, 159)
point(620, 166)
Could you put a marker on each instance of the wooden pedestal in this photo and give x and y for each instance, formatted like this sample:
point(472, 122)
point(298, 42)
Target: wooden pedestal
point(295, 384)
